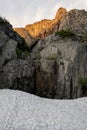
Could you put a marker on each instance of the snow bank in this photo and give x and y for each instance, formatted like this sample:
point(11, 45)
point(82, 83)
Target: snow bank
point(23, 111)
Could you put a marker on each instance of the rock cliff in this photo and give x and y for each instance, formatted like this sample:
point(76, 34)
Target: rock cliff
point(74, 20)
point(24, 33)
point(60, 65)
point(15, 70)
point(45, 27)
point(52, 65)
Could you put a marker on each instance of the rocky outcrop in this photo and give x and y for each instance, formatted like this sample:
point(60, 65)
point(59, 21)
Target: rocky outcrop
point(24, 33)
point(44, 27)
point(15, 70)
point(60, 64)
point(74, 20)
point(60, 13)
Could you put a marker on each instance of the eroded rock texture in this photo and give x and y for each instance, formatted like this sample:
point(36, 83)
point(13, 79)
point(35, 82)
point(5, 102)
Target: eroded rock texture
point(15, 70)
point(44, 27)
point(74, 20)
point(62, 63)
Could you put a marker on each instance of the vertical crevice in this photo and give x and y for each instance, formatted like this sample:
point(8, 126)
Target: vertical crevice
point(84, 91)
point(71, 88)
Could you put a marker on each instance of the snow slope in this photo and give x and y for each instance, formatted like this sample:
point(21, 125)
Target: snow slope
point(23, 111)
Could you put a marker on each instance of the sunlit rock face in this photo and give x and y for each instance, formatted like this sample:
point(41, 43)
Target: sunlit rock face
point(44, 27)
point(60, 13)
point(24, 33)
point(23, 111)
point(74, 20)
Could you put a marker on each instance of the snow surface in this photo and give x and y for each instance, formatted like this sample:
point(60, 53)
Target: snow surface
point(23, 111)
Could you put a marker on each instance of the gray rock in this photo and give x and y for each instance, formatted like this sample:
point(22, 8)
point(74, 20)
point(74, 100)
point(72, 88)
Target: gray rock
point(62, 63)
point(15, 72)
point(3, 39)
point(18, 74)
point(9, 51)
point(75, 20)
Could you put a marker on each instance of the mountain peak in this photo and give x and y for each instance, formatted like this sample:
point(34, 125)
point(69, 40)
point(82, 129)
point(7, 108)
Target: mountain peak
point(61, 11)
point(44, 27)
point(74, 20)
